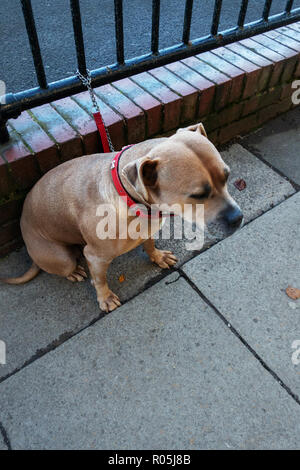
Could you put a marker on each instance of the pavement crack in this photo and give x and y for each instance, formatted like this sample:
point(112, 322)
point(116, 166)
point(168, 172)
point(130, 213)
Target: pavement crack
point(71, 334)
point(238, 335)
point(174, 280)
point(5, 437)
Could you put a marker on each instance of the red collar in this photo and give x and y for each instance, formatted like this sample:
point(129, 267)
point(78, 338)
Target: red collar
point(124, 194)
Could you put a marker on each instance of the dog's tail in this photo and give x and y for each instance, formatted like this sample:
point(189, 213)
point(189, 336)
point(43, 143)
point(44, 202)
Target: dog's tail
point(30, 274)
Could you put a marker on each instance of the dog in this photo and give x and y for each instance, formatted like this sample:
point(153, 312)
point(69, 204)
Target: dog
point(60, 211)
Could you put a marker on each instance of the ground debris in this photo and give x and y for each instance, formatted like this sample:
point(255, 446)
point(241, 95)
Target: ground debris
point(240, 184)
point(292, 292)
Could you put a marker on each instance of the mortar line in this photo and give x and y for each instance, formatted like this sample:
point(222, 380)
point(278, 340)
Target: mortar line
point(5, 437)
point(239, 336)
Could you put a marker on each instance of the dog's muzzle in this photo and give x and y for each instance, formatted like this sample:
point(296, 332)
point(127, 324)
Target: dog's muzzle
point(233, 216)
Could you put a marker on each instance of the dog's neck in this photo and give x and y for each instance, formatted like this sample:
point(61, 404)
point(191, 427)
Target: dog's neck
point(127, 186)
point(133, 153)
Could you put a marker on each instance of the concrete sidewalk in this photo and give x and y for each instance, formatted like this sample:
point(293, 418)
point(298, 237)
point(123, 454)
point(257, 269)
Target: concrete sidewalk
point(202, 359)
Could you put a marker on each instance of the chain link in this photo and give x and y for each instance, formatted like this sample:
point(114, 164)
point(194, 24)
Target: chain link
point(87, 81)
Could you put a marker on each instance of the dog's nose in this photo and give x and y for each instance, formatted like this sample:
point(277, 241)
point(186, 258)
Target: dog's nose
point(233, 216)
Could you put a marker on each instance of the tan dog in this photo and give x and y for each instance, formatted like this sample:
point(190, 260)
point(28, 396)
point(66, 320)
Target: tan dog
point(60, 211)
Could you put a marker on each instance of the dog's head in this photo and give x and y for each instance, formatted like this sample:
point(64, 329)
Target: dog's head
point(186, 168)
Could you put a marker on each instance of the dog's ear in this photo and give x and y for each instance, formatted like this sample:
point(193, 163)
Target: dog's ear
point(141, 175)
point(195, 128)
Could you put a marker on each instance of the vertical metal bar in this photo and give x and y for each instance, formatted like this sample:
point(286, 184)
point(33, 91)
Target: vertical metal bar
point(34, 42)
point(242, 14)
point(78, 36)
point(267, 9)
point(119, 31)
point(216, 17)
point(187, 21)
point(155, 26)
point(289, 5)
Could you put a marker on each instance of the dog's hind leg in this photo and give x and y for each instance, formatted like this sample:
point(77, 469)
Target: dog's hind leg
point(55, 258)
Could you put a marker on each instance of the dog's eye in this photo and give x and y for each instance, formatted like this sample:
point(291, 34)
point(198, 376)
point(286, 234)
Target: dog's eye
point(204, 194)
point(199, 196)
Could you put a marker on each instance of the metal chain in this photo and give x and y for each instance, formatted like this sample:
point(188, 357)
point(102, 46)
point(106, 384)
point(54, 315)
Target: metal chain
point(87, 81)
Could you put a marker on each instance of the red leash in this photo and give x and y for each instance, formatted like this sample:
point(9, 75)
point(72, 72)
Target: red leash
point(104, 135)
point(102, 131)
point(108, 147)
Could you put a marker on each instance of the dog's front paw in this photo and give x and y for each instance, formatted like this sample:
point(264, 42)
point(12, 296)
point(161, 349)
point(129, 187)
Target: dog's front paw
point(164, 259)
point(110, 302)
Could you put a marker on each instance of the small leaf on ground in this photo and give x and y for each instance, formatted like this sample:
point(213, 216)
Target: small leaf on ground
point(293, 292)
point(240, 184)
point(122, 278)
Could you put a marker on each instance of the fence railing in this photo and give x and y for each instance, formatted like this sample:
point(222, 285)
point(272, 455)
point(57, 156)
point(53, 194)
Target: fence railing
point(15, 103)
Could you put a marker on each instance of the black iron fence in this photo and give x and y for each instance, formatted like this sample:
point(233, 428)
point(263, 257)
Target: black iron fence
point(14, 103)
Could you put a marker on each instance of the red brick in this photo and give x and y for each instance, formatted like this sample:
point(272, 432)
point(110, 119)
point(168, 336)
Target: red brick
point(81, 122)
point(227, 115)
point(10, 210)
point(11, 246)
point(289, 69)
point(278, 36)
point(214, 136)
point(40, 143)
point(206, 101)
point(23, 165)
point(260, 48)
point(222, 81)
point(9, 232)
point(206, 88)
point(264, 65)
point(251, 105)
point(289, 54)
point(113, 121)
point(287, 91)
point(274, 110)
point(6, 183)
point(277, 59)
point(230, 114)
point(151, 106)
point(262, 100)
point(295, 26)
point(237, 75)
point(257, 76)
point(189, 94)
point(276, 46)
point(297, 71)
point(289, 32)
point(59, 131)
point(291, 38)
point(170, 100)
point(134, 116)
point(243, 126)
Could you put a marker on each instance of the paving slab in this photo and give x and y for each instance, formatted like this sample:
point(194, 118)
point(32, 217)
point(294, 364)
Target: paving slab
point(162, 372)
point(245, 277)
point(278, 142)
point(39, 315)
point(264, 187)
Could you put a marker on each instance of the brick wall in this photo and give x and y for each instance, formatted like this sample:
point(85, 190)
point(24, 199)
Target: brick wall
point(232, 89)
